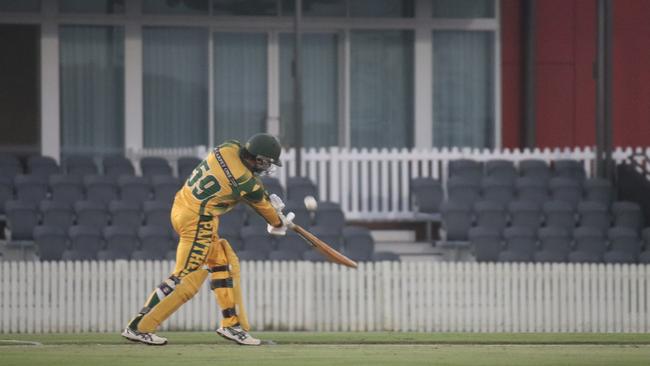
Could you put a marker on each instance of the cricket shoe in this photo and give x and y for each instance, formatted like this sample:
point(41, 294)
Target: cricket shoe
point(146, 338)
point(238, 335)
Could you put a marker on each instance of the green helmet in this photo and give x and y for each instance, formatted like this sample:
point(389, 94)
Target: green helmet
point(264, 146)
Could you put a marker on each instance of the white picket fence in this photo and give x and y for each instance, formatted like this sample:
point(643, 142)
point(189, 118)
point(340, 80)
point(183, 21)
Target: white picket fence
point(373, 184)
point(47, 297)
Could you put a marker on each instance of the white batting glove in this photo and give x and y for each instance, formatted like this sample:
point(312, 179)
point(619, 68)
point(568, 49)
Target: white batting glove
point(276, 202)
point(282, 230)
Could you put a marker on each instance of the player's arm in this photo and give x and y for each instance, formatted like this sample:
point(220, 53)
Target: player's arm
point(258, 199)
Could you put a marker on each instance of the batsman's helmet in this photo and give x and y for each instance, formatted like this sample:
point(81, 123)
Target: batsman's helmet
point(264, 149)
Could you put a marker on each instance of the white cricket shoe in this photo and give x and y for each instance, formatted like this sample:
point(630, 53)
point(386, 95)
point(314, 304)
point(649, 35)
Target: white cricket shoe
point(146, 338)
point(237, 334)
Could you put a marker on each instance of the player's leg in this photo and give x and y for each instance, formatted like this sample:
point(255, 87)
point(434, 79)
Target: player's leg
point(225, 283)
point(196, 233)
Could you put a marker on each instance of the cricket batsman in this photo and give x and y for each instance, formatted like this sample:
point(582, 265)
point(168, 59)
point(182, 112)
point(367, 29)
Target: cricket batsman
point(227, 176)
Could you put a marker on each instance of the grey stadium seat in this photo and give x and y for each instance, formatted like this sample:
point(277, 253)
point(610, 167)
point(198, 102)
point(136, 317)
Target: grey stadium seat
point(100, 189)
point(254, 219)
point(157, 213)
point(112, 255)
point(645, 235)
point(457, 219)
point(486, 243)
point(10, 165)
point(490, 214)
point(461, 189)
point(186, 166)
point(117, 165)
point(134, 189)
point(272, 185)
point(590, 245)
point(313, 255)
point(303, 217)
point(385, 256)
point(536, 169)
point(300, 187)
point(333, 239)
point(555, 245)
point(125, 213)
point(90, 213)
point(257, 239)
point(80, 166)
point(235, 243)
point(426, 194)
point(252, 255)
point(525, 213)
point(284, 255)
point(55, 213)
point(6, 191)
point(359, 246)
point(148, 255)
point(521, 243)
point(42, 166)
point(566, 189)
point(75, 255)
point(627, 214)
point(599, 190)
point(152, 166)
point(644, 257)
point(86, 240)
point(155, 238)
point(625, 243)
point(30, 188)
point(231, 223)
point(22, 218)
point(466, 168)
point(66, 188)
point(532, 189)
point(330, 215)
point(569, 168)
point(504, 170)
point(165, 188)
point(613, 256)
point(594, 214)
point(291, 243)
point(498, 189)
point(559, 213)
point(121, 239)
point(51, 242)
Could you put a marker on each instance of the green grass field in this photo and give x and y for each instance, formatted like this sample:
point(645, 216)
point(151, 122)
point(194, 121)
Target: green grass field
point(302, 348)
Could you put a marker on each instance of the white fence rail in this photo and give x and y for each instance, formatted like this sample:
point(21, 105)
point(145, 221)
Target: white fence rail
point(45, 297)
point(373, 184)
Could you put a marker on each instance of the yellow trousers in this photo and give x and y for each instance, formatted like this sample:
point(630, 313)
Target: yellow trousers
point(200, 252)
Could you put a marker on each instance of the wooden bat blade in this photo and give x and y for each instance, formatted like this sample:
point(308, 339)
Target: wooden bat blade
point(330, 253)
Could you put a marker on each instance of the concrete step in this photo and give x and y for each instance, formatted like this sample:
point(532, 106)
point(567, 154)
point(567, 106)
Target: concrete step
point(402, 236)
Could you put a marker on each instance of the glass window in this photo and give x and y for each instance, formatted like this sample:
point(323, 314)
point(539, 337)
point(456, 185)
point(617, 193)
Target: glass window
point(319, 90)
point(92, 6)
point(381, 88)
point(22, 6)
point(92, 89)
point(175, 86)
point(463, 8)
point(175, 7)
point(240, 85)
point(382, 8)
point(463, 88)
point(316, 8)
point(245, 7)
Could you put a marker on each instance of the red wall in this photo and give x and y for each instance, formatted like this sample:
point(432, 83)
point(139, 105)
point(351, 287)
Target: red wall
point(566, 90)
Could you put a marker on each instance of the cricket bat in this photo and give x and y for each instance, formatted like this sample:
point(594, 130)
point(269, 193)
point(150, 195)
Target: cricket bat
point(330, 253)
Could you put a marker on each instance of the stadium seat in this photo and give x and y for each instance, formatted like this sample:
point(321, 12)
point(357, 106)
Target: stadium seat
point(165, 188)
point(235, 243)
point(330, 215)
point(120, 239)
point(186, 166)
point(75, 255)
point(427, 195)
point(155, 238)
point(291, 243)
point(590, 240)
point(470, 170)
point(385, 256)
point(148, 255)
point(645, 235)
point(555, 245)
point(568, 168)
point(486, 243)
point(525, 213)
point(100, 189)
point(503, 170)
point(536, 169)
point(578, 256)
point(532, 189)
point(559, 213)
point(22, 218)
point(257, 239)
point(461, 189)
point(66, 188)
point(51, 242)
point(56, 213)
point(86, 240)
point(644, 258)
point(30, 188)
point(303, 217)
point(231, 223)
point(313, 255)
point(333, 238)
point(252, 255)
point(112, 255)
point(284, 255)
point(627, 214)
point(157, 213)
point(153, 166)
point(457, 218)
point(254, 219)
point(614, 257)
point(117, 165)
point(490, 214)
point(6, 191)
point(498, 189)
point(300, 187)
point(566, 189)
point(80, 166)
point(125, 213)
point(598, 190)
point(272, 185)
point(42, 166)
point(521, 243)
point(10, 165)
point(134, 189)
point(359, 246)
point(594, 214)
point(624, 242)
point(90, 213)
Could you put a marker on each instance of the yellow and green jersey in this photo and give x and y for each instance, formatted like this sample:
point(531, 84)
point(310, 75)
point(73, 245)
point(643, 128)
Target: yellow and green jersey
point(208, 190)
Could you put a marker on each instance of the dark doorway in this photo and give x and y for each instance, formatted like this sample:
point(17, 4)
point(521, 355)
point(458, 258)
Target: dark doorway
point(19, 89)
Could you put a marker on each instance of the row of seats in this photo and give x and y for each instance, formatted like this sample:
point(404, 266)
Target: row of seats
point(157, 242)
point(507, 169)
point(558, 244)
point(112, 166)
point(459, 217)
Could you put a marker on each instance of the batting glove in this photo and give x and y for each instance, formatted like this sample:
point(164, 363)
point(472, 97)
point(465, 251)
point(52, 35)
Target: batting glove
point(286, 222)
